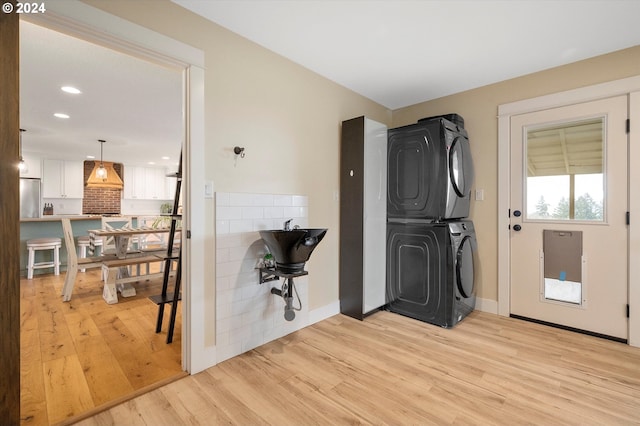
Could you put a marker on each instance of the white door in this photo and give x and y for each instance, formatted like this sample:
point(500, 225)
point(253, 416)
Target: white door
point(568, 237)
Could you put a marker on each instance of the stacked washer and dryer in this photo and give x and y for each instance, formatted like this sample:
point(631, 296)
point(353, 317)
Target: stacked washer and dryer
point(430, 243)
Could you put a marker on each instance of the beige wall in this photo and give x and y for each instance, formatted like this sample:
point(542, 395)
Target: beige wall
point(479, 107)
point(286, 117)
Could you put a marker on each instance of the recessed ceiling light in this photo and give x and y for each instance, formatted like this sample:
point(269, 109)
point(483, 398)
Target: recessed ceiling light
point(71, 90)
point(60, 115)
point(151, 163)
point(91, 157)
point(165, 158)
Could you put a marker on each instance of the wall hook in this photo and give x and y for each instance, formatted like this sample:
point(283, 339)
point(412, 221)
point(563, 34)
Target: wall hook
point(239, 151)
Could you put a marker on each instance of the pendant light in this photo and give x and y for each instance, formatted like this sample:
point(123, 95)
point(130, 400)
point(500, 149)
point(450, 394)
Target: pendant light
point(101, 172)
point(22, 166)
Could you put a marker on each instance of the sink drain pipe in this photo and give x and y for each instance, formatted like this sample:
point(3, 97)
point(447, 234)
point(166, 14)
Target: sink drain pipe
point(287, 291)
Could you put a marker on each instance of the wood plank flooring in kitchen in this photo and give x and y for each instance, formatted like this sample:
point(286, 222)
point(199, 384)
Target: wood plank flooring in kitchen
point(390, 369)
point(79, 355)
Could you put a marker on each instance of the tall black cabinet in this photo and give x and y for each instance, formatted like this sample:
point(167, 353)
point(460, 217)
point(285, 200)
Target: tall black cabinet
point(363, 215)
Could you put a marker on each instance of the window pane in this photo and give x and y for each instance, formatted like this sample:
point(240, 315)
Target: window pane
point(565, 179)
point(589, 190)
point(547, 197)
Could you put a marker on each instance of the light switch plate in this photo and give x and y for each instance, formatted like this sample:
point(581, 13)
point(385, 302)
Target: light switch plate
point(479, 194)
point(208, 189)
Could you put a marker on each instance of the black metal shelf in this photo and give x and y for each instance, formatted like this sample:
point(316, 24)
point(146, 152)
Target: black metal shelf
point(158, 298)
point(272, 274)
point(172, 216)
point(173, 256)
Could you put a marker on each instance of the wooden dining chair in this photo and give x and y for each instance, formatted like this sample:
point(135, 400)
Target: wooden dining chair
point(113, 223)
point(152, 241)
point(73, 263)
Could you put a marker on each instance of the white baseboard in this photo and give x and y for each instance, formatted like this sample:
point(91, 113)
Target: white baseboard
point(487, 305)
point(324, 312)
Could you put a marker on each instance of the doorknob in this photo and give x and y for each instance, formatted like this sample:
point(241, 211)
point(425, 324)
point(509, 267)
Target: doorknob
point(517, 227)
point(517, 213)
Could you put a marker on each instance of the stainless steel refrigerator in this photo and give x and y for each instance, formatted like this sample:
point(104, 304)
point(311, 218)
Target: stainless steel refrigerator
point(30, 197)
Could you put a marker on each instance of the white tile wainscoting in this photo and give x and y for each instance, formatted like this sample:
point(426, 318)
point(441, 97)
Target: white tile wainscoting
point(247, 314)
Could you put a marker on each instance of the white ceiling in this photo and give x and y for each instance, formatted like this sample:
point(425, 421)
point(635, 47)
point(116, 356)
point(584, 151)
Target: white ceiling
point(134, 105)
point(400, 53)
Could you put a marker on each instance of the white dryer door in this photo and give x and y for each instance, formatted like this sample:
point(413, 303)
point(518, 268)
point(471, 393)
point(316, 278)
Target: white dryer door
point(460, 171)
point(460, 167)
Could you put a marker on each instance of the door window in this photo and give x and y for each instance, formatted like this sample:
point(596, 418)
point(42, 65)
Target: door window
point(564, 171)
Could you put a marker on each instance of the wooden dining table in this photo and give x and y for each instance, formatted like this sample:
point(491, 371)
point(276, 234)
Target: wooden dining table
point(122, 237)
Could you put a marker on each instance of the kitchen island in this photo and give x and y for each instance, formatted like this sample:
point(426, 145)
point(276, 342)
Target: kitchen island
point(51, 227)
point(57, 217)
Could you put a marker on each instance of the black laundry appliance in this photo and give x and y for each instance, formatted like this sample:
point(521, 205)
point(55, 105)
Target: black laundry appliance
point(430, 270)
point(430, 245)
point(430, 171)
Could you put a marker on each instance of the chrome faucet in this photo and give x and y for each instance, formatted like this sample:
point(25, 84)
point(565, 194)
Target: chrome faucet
point(287, 225)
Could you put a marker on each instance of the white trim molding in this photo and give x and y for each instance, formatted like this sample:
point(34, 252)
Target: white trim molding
point(486, 305)
point(80, 20)
point(634, 226)
point(324, 312)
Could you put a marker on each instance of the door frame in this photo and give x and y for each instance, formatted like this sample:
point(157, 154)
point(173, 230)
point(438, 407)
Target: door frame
point(628, 86)
point(88, 23)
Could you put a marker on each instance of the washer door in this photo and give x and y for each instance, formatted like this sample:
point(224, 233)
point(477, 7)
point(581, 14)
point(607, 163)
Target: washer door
point(460, 166)
point(464, 267)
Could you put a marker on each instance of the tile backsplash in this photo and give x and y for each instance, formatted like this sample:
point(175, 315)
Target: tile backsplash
point(247, 314)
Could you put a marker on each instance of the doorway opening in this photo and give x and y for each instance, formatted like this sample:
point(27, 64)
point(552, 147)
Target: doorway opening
point(118, 90)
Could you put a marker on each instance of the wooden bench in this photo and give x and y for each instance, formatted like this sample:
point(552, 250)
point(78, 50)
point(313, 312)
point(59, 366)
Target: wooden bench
point(117, 275)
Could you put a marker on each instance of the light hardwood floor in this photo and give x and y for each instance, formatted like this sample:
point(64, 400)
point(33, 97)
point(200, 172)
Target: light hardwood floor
point(79, 355)
point(390, 369)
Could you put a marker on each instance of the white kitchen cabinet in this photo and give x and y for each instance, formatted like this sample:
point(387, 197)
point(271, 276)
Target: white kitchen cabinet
point(156, 183)
point(144, 183)
point(170, 184)
point(62, 179)
point(134, 183)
